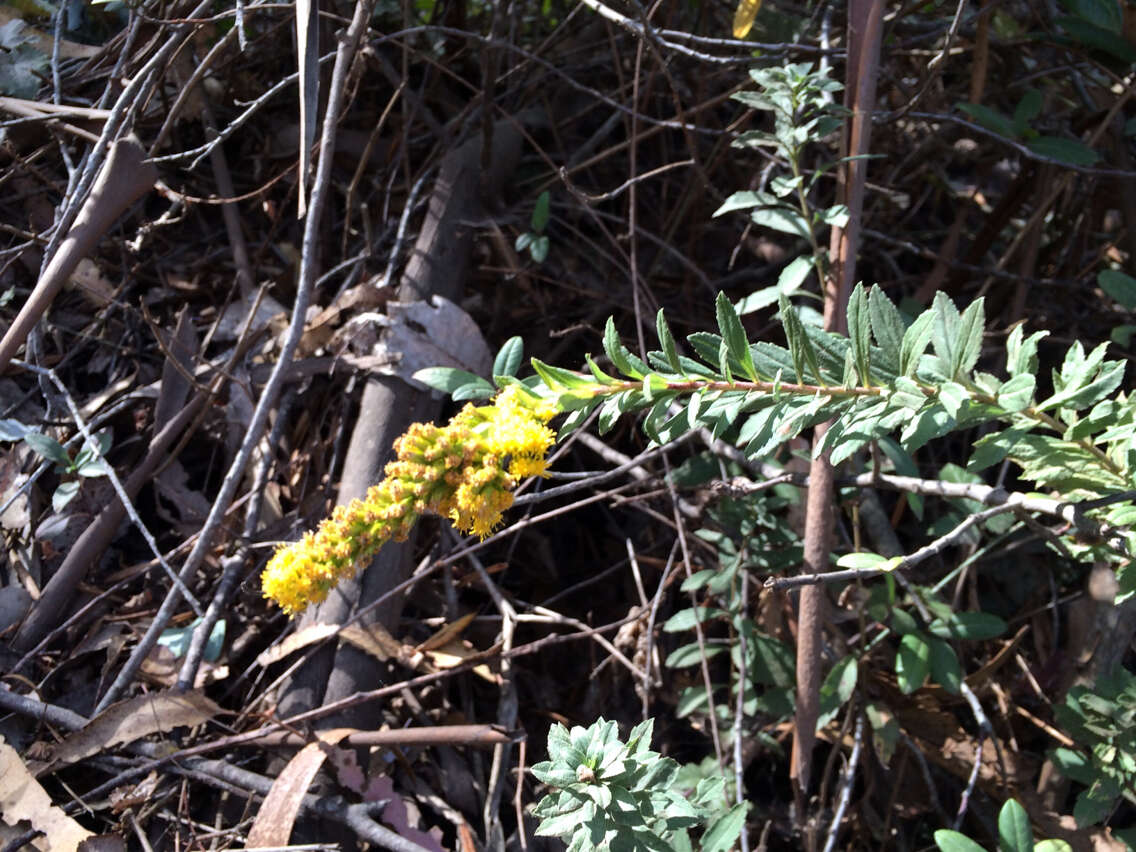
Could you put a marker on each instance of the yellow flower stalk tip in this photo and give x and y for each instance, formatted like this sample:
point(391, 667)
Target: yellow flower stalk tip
point(465, 471)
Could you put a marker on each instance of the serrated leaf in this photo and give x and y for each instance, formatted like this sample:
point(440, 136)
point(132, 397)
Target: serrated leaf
point(859, 332)
point(887, 327)
point(1017, 394)
point(953, 397)
point(666, 340)
point(800, 348)
point(915, 340)
point(734, 336)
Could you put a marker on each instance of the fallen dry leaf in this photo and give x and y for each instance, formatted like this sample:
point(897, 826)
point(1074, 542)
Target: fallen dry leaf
point(22, 798)
point(293, 643)
point(132, 720)
point(274, 820)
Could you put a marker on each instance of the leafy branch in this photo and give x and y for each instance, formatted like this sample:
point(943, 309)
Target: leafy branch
point(917, 379)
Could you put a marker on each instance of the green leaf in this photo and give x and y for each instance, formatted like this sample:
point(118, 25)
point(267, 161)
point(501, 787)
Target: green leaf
point(990, 119)
point(1068, 151)
point(800, 348)
point(177, 639)
point(968, 625)
point(837, 215)
point(1017, 394)
point(859, 332)
point(509, 356)
point(912, 663)
point(620, 355)
point(1014, 832)
point(1028, 108)
point(971, 326)
point(13, 430)
point(733, 335)
point(837, 688)
point(862, 561)
point(1118, 285)
point(952, 841)
point(541, 213)
point(740, 201)
point(64, 494)
point(915, 340)
point(666, 339)
point(1098, 38)
point(449, 379)
point(794, 274)
point(47, 447)
point(887, 327)
point(1100, 13)
point(724, 832)
point(953, 397)
point(784, 219)
point(539, 249)
point(945, 668)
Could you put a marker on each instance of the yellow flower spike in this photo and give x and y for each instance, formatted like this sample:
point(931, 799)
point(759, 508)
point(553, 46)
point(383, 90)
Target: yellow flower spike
point(465, 470)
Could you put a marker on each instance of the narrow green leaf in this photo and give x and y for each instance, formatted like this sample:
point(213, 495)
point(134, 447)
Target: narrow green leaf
point(971, 326)
point(724, 832)
point(1014, 832)
point(541, 211)
point(915, 340)
point(666, 340)
point(912, 663)
point(620, 355)
point(887, 327)
point(733, 335)
point(800, 348)
point(859, 332)
point(557, 378)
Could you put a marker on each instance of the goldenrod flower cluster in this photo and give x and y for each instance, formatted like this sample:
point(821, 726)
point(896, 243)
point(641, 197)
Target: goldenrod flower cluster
point(465, 471)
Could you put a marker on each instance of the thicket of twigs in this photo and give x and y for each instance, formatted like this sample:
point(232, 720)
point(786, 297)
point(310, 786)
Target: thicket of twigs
point(232, 354)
